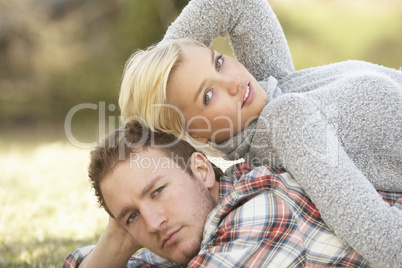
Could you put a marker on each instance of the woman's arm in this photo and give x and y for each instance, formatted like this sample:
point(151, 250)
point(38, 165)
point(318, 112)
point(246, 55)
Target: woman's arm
point(310, 150)
point(255, 33)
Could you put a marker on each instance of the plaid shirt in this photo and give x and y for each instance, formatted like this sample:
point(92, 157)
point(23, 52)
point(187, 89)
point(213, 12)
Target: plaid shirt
point(263, 219)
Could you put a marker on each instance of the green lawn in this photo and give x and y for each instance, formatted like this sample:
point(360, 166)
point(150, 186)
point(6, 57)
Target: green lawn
point(47, 208)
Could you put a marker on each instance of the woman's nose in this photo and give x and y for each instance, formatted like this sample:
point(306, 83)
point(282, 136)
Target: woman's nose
point(232, 84)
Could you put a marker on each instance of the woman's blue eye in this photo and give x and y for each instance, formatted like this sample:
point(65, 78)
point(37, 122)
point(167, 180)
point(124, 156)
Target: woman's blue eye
point(219, 62)
point(132, 217)
point(208, 97)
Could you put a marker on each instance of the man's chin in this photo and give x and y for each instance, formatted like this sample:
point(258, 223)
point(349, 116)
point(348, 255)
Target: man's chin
point(185, 253)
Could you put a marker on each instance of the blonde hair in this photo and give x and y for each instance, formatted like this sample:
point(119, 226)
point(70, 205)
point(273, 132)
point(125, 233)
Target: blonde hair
point(143, 90)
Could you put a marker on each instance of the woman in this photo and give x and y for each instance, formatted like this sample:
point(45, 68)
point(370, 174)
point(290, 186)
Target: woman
point(335, 128)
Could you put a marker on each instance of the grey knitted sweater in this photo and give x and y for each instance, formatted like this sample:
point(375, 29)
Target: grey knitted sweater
point(337, 128)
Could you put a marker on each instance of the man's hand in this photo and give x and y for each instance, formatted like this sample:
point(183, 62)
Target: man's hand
point(121, 236)
point(114, 248)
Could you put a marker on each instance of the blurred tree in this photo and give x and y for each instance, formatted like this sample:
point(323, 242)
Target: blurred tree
point(56, 54)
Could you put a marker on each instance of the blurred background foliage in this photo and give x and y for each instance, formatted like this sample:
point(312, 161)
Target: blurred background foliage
point(58, 54)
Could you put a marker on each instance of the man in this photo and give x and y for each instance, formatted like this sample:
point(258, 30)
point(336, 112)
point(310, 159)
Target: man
point(163, 195)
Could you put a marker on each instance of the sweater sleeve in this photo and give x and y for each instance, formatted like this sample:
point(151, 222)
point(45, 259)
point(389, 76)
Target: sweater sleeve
point(309, 149)
point(255, 34)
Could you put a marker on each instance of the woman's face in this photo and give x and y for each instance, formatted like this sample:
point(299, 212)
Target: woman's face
point(217, 96)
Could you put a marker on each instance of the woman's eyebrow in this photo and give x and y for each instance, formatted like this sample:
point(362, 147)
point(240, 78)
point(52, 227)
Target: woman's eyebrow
point(203, 82)
point(212, 56)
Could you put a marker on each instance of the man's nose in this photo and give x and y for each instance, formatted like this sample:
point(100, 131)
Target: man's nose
point(232, 84)
point(154, 219)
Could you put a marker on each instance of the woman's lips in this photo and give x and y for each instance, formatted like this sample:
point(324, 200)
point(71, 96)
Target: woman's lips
point(248, 94)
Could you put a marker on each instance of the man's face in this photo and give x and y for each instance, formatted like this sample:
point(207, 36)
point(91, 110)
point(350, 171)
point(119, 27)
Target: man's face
point(160, 205)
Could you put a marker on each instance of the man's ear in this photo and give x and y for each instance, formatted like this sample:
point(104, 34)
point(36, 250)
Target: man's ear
point(202, 169)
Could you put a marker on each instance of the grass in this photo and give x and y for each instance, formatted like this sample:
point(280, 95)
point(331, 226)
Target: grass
point(47, 208)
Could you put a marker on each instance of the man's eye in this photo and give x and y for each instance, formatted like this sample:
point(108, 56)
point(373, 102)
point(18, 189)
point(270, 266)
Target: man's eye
point(158, 191)
point(208, 97)
point(132, 217)
point(219, 62)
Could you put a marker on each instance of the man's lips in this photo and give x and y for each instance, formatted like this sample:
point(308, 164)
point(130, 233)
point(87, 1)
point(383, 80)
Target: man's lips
point(170, 238)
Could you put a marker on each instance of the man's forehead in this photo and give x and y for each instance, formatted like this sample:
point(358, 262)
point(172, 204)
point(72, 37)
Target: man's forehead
point(155, 162)
point(141, 168)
